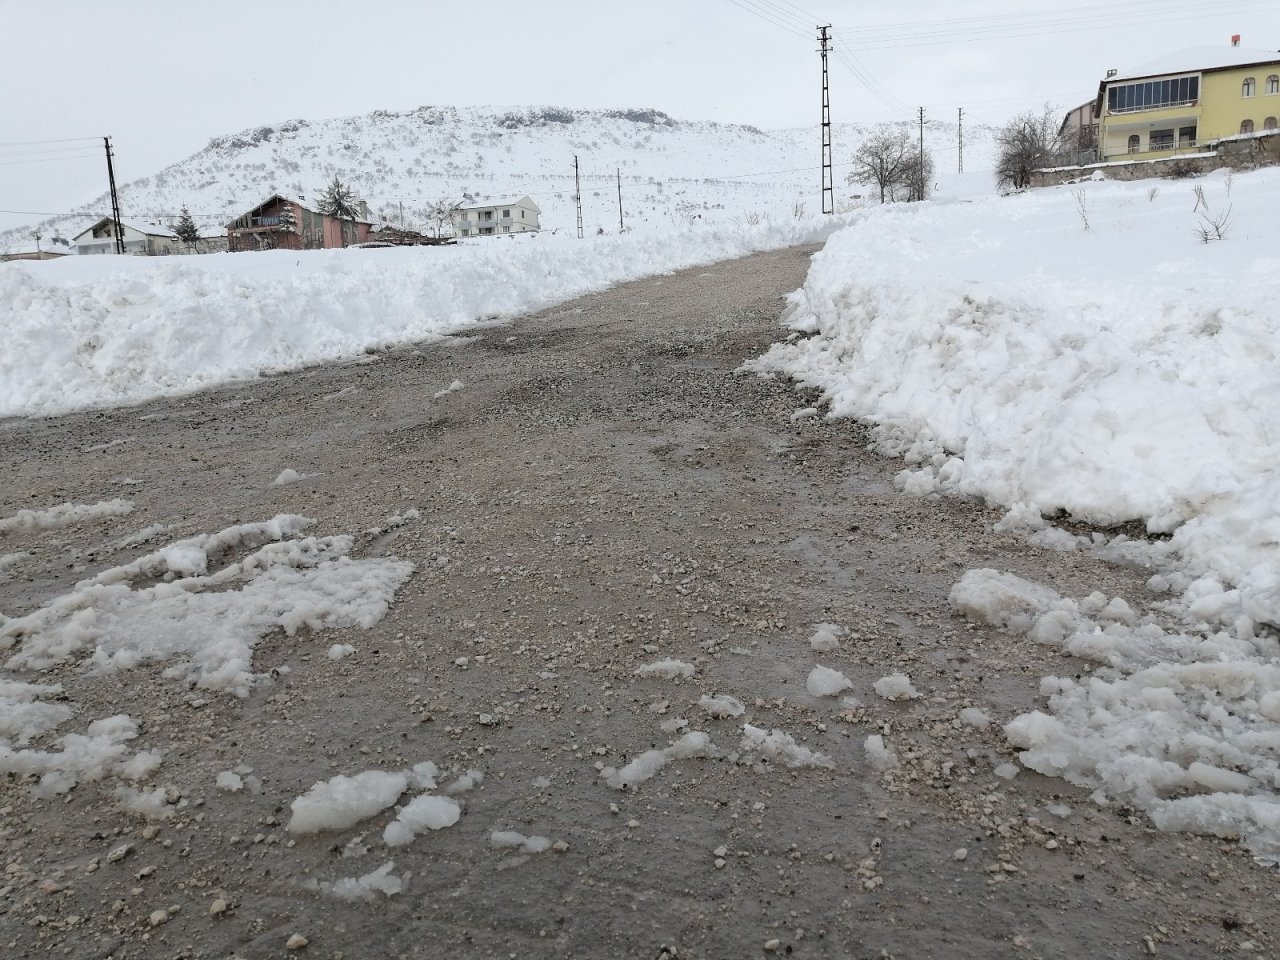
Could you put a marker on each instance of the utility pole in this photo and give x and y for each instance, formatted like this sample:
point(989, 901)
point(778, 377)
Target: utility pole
point(960, 135)
point(921, 156)
point(577, 194)
point(115, 199)
point(828, 191)
point(620, 226)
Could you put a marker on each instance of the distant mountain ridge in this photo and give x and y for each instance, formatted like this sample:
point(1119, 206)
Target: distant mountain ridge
point(669, 170)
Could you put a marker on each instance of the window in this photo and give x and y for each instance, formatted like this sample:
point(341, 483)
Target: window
point(488, 215)
point(506, 214)
point(1269, 123)
point(1135, 143)
point(1153, 94)
point(487, 231)
point(506, 229)
point(1160, 140)
point(1273, 84)
point(1246, 126)
point(466, 233)
point(1249, 87)
point(521, 214)
point(1186, 136)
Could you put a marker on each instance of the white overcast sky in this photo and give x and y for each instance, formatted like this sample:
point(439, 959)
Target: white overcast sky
point(164, 76)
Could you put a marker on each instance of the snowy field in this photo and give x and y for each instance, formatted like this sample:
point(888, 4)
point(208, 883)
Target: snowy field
point(1082, 351)
point(86, 332)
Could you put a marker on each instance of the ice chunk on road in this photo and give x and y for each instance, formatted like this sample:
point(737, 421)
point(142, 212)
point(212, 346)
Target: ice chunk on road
point(427, 812)
point(229, 781)
point(669, 669)
point(880, 756)
point(1001, 600)
point(973, 717)
point(693, 744)
point(825, 682)
point(509, 838)
point(825, 638)
point(381, 881)
point(776, 745)
point(896, 686)
point(722, 705)
point(341, 801)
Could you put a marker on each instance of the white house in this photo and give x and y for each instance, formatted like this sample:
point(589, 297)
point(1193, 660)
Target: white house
point(496, 217)
point(140, 239)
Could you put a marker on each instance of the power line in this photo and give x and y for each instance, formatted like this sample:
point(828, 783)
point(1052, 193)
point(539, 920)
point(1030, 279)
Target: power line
point(768, 17)
point(29, 143)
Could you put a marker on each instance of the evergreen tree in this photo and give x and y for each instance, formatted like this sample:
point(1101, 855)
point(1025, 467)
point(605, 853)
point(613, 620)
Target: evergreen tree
point(186, 228)
point(339, 202)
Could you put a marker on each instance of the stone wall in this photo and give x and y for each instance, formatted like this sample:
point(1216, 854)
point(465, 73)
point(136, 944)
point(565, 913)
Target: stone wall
point(1245, 154)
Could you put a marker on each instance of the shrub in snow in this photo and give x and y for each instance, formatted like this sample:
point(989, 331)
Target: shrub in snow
point(776, 745)
point(825, 682)
point(896, 686)
point(342, 801)
point(668, 669)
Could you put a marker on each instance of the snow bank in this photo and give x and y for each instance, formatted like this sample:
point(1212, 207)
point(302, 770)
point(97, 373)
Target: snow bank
point(106, 331)
point(1122, 372)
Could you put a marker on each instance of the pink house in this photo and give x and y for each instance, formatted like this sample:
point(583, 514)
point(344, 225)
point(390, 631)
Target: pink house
point(287, 223)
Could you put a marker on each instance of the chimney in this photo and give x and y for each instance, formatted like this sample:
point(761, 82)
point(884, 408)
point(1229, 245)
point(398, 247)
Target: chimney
point(1235, 39)
point(1112, 72)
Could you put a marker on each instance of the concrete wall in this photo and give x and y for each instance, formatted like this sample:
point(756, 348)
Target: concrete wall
point(1246, 153)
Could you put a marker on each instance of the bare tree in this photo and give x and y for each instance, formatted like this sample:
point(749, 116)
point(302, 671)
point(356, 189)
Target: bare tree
point(441, 212)
point(918, 174)
point(1028, 142)
point(882, 159)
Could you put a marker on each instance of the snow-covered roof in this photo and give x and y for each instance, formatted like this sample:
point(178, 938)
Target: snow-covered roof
point(1195, 59)
point(524, 201)
point(149, 229)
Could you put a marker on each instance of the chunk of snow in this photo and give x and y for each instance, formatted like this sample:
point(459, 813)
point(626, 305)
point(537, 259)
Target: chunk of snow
point(287, 475)
point(229, 781)
point(63, 515)
point(824, 641)
point(365, 887)
point(825, 682)
point(692, 744)
point(423, 775)
point(668, 669)
point(973, 717)
point(1001, 599)
point(880, 756)
point(151, 804)
point(896, 686)
point(722, 705)
point(426, 812)
point(452, 388)
point(467, 781)
point(340, 650)
point(776, 745)
point(509, 838)
point(342, 801)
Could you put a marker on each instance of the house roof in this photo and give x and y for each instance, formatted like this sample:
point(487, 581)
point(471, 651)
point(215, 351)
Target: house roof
point(1199, 59)
point(291, 198)
point(524, 201)
point(150, 229)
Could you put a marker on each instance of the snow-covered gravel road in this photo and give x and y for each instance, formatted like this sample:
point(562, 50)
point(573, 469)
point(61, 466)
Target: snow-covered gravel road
point(593, 696)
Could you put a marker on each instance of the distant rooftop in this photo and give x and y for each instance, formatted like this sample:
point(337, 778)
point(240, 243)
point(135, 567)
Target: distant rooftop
point(499, 202)
point(1192, 59)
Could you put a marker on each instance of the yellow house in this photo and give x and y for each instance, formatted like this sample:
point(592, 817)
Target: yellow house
point(1177, 105)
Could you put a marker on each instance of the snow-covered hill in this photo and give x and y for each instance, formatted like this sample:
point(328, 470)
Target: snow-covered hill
point(672, 171)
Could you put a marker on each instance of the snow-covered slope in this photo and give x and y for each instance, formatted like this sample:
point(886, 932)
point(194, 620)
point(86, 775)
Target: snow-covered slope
point(672, 171)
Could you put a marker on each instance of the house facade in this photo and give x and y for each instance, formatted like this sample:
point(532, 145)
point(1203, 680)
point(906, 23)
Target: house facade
point(287, 223)
point(495, 218)
point(140, 239)
point(1078, 134)
point(1178, 105)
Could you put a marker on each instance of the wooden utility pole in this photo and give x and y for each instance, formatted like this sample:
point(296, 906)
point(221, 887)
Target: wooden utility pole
point(620, 225)
point(115, 199)
point(960, 137)
point(577, 194)
point(828, 190)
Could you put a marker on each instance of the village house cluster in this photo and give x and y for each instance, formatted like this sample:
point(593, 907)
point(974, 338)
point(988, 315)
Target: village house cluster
point(284, 222)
